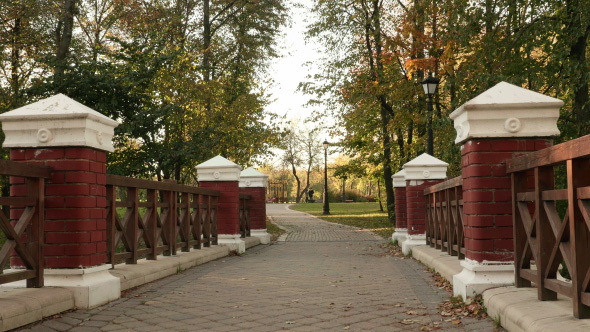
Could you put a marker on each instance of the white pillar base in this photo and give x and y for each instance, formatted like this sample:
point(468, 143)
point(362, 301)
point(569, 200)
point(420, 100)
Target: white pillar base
point(476, 277)
point(400, 235)
point(262, 234)
point(234, 242)
point(412, 241)
point(91, 286)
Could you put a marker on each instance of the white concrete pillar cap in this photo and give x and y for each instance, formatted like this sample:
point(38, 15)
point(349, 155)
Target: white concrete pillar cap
point(218, 169)
point(507, 110)
point(399, 179)
point(425, 167)
point(251, 178)
point(57, 121)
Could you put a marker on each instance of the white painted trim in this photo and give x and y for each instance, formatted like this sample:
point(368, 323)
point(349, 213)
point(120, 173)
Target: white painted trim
point(80, 271)
point(262, 234)
point(507, 110)
point(425, 167)
point(477, 277)
point(400, 235)
point(399, 179)
point(413, 241)
point(218, 169)
point(57, 121)
point(251, 178)
point(233, 241)
point(91, 287)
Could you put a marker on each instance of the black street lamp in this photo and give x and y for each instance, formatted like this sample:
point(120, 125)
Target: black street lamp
point(326, 203)
point(430, 84)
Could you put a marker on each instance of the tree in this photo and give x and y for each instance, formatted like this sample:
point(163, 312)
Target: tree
point(352, 34)
point(185, 78)
point(302, 148)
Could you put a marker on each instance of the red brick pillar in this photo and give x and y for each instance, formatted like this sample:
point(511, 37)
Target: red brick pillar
point(401, 221)
point(75, 204)
point(73, 140)
point(503, 122)
point(421, 172)
point(223, 175)
point(253, 183)
point(487, 196)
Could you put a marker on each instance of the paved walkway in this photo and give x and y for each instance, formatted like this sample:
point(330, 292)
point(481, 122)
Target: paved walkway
point(324, 277)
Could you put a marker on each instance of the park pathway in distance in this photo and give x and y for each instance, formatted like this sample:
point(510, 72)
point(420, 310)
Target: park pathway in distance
point(323, 277)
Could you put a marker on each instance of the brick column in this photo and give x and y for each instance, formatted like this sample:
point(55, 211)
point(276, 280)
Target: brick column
point(223, 175)
point(75, 204)
point(421, 172)
point(501, 123)
point(73, 140)
point(253, 183)
point(401, 223)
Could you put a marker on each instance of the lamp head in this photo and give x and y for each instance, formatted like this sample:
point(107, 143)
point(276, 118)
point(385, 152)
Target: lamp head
point(430, 84)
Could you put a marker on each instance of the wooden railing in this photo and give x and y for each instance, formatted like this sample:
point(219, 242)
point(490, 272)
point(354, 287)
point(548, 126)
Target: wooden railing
point(444, 217)
point(23, 238)
point(547, 233)
point(148, 218)
point(244, 215)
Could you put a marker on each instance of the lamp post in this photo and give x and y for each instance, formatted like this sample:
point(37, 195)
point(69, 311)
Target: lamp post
point(326, 203)
point(430, 84)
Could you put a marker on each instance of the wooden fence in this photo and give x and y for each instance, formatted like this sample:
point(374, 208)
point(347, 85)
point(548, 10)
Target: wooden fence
point(23, 238)
point(546, 232)
point(244, 215)
point(148, 218)
point(444, 217)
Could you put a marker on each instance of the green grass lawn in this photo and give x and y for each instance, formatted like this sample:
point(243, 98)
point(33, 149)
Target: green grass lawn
point(363, 215)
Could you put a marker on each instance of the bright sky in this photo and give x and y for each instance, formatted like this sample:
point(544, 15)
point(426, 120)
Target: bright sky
point(289, 70)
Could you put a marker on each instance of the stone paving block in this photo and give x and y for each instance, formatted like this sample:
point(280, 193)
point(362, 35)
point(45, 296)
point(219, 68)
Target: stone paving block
point(84, 329)
point(112, 327)
point(325, 277)
point(57, 325)
point(42, 328)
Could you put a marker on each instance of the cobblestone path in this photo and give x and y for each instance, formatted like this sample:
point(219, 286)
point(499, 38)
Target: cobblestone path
point(324, 277)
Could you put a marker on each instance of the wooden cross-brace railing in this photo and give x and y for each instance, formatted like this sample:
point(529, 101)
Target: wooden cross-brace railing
point(546, 232)
point(23, 237)
point(244, 215)
point(166, 216)
point(444, 217)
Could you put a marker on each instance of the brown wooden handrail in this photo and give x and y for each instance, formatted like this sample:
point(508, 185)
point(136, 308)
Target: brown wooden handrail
point(553, 155)
point(444, 216)
point(168, 217)
point(122, 181)
point(545, 231)
point(13, 168)
point(450, 183)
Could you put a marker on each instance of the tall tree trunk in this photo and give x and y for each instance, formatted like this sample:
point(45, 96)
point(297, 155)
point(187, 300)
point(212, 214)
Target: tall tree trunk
point(379, 194)
point(15, 62)
point(298, 198)
point(64, 31)
point(386, 109)
point(418, 53)
point(207, 51)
